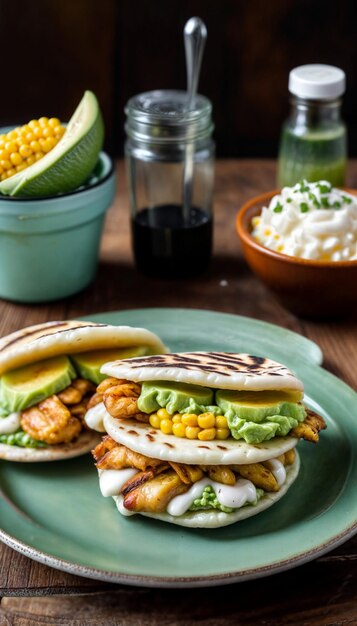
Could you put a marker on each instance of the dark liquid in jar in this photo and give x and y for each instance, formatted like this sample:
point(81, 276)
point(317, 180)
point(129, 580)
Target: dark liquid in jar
point(164, 245)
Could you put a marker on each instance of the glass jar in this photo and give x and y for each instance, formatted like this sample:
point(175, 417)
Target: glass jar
point(313, 143)
point(166, 143)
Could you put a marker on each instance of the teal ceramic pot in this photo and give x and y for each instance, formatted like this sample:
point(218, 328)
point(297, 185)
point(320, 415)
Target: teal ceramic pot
point(49, 247)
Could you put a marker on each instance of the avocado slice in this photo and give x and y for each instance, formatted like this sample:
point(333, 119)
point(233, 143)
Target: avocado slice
point(256, 406)
point(175, 397)
point(88, 364)
point(28, 385)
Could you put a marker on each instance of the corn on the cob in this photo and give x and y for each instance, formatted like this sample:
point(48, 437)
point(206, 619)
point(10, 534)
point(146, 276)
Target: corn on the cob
point(204, 427)
point(24, 145)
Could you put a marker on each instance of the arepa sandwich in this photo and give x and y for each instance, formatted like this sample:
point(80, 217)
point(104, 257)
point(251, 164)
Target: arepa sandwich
point(48, 375)
point(200, 439)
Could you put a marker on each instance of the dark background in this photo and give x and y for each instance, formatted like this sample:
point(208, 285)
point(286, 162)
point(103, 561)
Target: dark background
point(52, 50)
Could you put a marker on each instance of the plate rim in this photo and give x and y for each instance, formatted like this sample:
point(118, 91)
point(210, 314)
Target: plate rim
point(175, 582)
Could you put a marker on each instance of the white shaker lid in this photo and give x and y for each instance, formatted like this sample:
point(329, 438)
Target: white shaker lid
point(317, 81)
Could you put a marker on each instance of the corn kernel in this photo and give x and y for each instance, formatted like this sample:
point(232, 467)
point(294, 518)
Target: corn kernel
point(5, 164)
point(3, 176)
point(163, 414)
point(43, 121)
point(47, 145)
point(21, 167)
point(39, 155)
point(11, 172)
point(221, 421)
point(10, 146)
point(179, 430)
point(24, 130)
point(206, 420)
point(176, 418)
point(166, 426)
point(12, 135)
point(33, 124)
point(4, 155)
point(53, 122)
point(154, 420)
point(59, 130)
point(1, 170)
point(192, 432)
point(25, 151)
point(30, 160)
point(35, 146)
point(38, 131)
point(48, 132)
point(16, 158)
point(207, 434)
point(189, 419)
point(222, 433)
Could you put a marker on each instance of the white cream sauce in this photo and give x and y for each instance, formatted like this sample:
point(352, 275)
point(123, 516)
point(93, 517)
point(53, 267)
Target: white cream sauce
point(10, 424)
point(311, 221)
point(111, 482)
point(95, 416)
point(278, 470)
point(233, 496)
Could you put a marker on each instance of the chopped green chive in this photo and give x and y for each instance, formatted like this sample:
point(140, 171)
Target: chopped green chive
point(325, 203)
point(314, 200)
point(278, 208)
point(289, 199)
point(347, 199)
point(304, 207)
point(324, 188)
point(337, 205)
point(304, 186)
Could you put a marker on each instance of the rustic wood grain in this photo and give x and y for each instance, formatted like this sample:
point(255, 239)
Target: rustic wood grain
point(320, 593)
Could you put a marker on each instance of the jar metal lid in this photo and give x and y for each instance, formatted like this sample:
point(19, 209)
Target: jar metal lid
point(317, 82)
point(163, 116)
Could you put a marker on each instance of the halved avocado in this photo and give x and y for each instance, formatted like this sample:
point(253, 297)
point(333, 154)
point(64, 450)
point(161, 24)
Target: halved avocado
point(28, 385)
point(256, 406)
point(88, 364)
point(70, 162)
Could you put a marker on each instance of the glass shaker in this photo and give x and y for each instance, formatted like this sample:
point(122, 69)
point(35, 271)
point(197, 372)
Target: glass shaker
point(313, 143)
point(171, 237)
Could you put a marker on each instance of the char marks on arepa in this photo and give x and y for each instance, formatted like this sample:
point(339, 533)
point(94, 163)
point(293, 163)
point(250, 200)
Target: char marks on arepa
point(223, 363)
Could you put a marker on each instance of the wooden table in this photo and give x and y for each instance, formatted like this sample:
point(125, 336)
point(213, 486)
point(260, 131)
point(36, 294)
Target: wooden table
point(323, 592)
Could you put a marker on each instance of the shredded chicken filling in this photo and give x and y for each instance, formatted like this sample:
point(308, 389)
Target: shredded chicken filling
point(157, 482)
point(59, 418)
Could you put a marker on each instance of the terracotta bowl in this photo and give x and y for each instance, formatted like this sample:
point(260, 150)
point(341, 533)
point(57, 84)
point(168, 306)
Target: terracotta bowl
point(313, 289)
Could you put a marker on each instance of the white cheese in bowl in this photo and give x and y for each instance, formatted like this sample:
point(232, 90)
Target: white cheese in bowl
point(311, 221)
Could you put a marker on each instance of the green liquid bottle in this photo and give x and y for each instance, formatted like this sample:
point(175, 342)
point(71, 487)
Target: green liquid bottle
point(313, 144)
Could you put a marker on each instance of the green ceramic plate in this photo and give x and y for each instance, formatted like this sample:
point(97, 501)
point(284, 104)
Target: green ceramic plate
point(54, 513)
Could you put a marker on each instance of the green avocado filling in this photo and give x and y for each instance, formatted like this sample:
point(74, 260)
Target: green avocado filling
point(21, 439)
point(260, 420)
point(175, 398)
point(254, 416)
point(208, 500)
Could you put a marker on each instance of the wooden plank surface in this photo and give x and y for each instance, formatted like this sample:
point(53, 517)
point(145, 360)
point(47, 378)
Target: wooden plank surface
point(318, 593)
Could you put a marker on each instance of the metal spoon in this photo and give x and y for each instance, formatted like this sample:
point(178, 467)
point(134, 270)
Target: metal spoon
point(195, 35)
